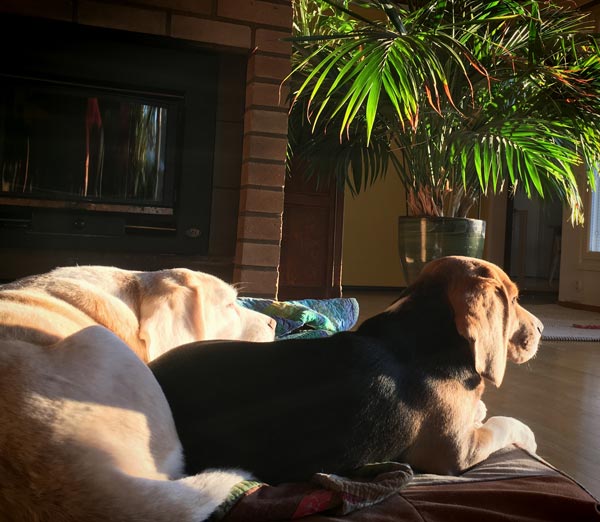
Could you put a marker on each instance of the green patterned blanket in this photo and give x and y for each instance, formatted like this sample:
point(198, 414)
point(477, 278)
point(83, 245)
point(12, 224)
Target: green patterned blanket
point(307, 318)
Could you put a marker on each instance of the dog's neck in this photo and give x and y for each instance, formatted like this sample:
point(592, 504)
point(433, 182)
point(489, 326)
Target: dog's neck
point(421, 331)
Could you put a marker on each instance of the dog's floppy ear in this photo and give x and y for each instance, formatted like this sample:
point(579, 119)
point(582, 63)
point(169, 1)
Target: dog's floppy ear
point(480, 316)
point(170, 313)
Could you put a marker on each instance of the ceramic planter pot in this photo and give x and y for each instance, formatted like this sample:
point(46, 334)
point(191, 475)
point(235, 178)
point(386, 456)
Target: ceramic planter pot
point(421, 239)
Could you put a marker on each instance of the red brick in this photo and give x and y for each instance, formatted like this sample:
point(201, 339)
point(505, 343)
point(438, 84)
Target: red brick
point(266, 94)
point(256, 11)
point(190, 6)
point(258, 254)
point(264, 174)
point(123, 17)
point(256, 282)
point(271, 67)
point(211, 31)
point(258, 227)
point(263, 147)
point(260, 200)
point(273, 41)
point(54, 9)
point(266, 121)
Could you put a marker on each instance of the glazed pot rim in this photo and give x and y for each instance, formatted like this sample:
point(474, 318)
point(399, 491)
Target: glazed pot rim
point(440, 218)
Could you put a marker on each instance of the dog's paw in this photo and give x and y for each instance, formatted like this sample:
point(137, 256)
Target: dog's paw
point(524, 437)
point(221, 480)
point(200, 495)
point(507, 431)
point(480, 414)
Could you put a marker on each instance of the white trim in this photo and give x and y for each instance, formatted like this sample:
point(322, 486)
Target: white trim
point(590, 259)
point(593, 236)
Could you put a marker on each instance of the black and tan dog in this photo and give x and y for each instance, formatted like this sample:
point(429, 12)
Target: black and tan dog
point(405, 386)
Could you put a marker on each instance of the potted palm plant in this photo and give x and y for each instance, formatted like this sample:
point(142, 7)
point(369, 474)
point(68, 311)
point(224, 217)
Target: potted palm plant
point(458, 98)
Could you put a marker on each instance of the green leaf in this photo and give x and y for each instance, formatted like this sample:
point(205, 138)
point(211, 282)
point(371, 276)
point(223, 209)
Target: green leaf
point(472, 92)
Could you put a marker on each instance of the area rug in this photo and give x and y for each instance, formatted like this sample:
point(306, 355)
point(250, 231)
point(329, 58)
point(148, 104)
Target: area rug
point(567, 324)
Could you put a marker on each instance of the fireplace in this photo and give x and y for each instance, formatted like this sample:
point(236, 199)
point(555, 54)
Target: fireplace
point(207, 74)
point(106, 140)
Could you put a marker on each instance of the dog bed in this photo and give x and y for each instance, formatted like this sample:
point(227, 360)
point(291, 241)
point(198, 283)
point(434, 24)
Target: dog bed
point(510, 485)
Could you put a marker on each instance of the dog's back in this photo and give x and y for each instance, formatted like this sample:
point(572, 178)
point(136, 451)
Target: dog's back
point(287, 409)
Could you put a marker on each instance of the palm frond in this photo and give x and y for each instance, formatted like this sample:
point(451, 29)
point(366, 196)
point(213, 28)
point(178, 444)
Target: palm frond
point(459, 97)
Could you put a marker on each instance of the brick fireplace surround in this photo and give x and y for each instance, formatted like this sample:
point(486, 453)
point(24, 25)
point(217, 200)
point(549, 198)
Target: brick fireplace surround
point(250, 204)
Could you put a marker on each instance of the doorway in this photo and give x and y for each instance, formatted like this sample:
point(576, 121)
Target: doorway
point(533, 242)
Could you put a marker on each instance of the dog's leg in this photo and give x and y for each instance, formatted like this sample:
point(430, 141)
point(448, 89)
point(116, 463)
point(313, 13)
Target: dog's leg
point(497, 433)
point(190, 499)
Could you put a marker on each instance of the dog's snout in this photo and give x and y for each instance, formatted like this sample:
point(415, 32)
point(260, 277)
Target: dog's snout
point(535, 324)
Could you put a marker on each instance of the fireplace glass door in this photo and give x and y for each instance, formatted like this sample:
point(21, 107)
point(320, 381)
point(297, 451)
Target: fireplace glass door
point(61, 142)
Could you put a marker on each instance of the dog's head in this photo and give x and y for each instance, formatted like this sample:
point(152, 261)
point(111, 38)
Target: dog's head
point(179, 306)
point(486, 312)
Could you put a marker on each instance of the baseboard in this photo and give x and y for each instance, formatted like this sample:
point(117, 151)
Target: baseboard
point(579, 306)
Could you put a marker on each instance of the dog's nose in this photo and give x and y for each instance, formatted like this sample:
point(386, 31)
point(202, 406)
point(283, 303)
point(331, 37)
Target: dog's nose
point(535, 322)
point(539, 325)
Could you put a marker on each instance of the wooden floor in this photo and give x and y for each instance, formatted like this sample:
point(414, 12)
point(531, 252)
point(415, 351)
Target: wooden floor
point(557, 394)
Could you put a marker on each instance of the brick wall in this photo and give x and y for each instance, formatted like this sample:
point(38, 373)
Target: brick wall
point(253, 27)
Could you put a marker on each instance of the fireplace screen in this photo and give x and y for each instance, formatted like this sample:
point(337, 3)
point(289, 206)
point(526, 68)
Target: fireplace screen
point(60, 142)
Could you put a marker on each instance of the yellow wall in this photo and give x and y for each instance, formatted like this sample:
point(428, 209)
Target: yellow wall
point(370, 252)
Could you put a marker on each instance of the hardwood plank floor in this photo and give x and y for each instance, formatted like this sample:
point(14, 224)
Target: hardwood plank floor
point(557, 394)
point(558, 397)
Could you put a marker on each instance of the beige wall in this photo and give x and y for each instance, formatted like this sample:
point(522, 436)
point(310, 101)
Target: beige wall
point(370, 252)
point(579, 269)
